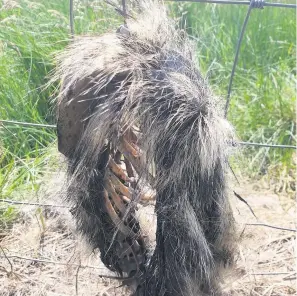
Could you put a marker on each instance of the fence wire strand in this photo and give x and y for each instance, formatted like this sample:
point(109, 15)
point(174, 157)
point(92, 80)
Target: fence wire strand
point(39, 260)
point(9, 201)
point(266, 145)
point(26, 203)
point(71, 18)
point(260, 4)
point(28, 124)
point(265, 4)
point(52, 126)
point(236, 56)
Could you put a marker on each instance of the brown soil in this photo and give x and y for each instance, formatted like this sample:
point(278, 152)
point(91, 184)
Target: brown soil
point(64, 265)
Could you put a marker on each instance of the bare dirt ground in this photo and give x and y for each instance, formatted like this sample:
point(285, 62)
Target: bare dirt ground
point(42, 254)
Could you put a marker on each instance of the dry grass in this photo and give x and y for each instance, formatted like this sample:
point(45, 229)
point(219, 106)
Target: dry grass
point(267, 257)
point(265, 266)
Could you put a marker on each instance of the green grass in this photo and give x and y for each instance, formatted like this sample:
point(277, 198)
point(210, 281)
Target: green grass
point(30, 33)
point(263, 94)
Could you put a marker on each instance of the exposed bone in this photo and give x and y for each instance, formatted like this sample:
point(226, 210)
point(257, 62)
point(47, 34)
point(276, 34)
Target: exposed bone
point(119, 186)
point(129, 168)
point(126, 199)
point(128, 151)
point(115, 197)
point(147, 197)
point(117, 170)
point(114, 217)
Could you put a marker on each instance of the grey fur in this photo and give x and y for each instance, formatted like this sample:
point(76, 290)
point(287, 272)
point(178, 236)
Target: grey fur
point(148, 78)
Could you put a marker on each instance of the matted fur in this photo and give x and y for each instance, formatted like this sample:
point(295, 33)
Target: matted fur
point(148, 78)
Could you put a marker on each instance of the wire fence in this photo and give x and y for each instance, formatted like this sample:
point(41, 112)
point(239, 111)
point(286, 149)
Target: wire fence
point(52, 126)
point(253, 4)
point(44, 205)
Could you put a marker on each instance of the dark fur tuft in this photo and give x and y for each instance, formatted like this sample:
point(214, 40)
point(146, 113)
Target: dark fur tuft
point(148, 78)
